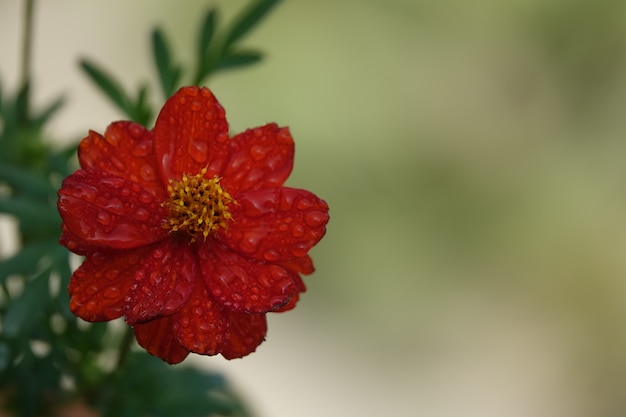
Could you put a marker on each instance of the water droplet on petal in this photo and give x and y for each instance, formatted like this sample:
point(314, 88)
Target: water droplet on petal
point(196, 105)
point(316, 218)
point(250, 242)
point(222, 137)
point(198, 150)
point(112, 292)
point(300, 249)
point(286, 201)
point(271, 255)
point(284, 136)
point(259, 152)
point(283, 227)
point(142, 149)
point(112, 274)
point(304, 203)
point(104, 218)
point(136, 130)
point(145, 198)
point(147, 173)
point(298, 230)
point(157, 254)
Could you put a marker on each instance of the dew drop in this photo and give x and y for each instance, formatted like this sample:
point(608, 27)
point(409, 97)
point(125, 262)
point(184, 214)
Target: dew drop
point(198, 150)
point(222, 137)
point(283, 227)
point(125, 192)
point(304, 204)
point(286, 201)
point(147, 173)
point(145, 198)
point(112, 293)
point(155, 279)
point(112, 274)
point(259, 152)
point(271, 255)
point(142, 215)
point(300, 249)
point(104, 218)
point(112, 137)
point(136, 130)
point(115, 206)
point(297, 231)
point(284, 136)
point(316, 218)
point(250, 242)
point(196, 105)
point(142, 149)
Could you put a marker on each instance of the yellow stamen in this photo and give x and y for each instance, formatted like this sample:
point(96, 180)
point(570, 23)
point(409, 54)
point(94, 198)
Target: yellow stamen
point(198, 206)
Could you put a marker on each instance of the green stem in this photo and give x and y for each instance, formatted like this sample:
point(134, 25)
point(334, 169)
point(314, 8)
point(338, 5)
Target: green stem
point(127, 343)
point(27, 43)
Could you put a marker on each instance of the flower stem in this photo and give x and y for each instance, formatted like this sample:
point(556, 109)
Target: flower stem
point(27, 43)
point(127, 342)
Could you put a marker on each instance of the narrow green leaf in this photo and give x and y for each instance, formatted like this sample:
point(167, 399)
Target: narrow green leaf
point(168, 72)
point(45, 115)
point(25, 261)
point(207, 29)
point(24, 311)
point(36, 219)
point(26, 182)
point(248, 19)
point(238, 59)
point(142, 111)
point(108, 85)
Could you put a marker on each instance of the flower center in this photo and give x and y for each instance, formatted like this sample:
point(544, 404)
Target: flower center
point(198, 206)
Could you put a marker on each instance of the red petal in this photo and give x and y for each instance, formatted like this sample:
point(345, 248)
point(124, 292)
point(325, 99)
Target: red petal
point(247, 331)
point(157, 338)
point(191, 133)
point(76, 244)
point(126, 152)
point(296, 267)
point(244, 285)
point(163, 283)
point(109, 211)
point(276, 224)
point(201, 325)
point(258, 158)
point(98, 287)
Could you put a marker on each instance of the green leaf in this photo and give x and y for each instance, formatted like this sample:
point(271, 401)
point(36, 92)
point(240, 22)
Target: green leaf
point(45, 115)
point(108, 85)
point(142, 111)
point(238, 59)
point(248, 19)
point(149, 386)
point(207, 29)
point(25, 261)
point(168, 72)
point(26, 182)
point(26, 309)
point(35, 219)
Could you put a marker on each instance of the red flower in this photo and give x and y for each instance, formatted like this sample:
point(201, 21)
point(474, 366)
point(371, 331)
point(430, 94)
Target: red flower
point(186, 232)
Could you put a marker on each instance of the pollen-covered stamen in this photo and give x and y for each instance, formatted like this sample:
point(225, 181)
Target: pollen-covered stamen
point(197, 205)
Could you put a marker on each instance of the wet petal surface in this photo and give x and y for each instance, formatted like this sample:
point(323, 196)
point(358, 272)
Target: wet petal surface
point(276, 224)
point(191, 133)
point(163, 282)
point(240, 284)
point(157, 338)
point(110, 211)
point(258, 158)
point(99, 286)
point(125, 151)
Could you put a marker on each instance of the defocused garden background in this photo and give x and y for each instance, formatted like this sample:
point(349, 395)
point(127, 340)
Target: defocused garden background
point(472, 153)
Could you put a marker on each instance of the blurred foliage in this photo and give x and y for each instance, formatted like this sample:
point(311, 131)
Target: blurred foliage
point(48, 357)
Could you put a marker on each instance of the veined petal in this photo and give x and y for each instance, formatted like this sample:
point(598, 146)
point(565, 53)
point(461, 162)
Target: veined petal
point(276, 224)
point(99, 286)
point(163, 283)
point(201, 325)
point(157, 338)
point(191, 133)
point(258, 158)
point(246, 333)
point(124, 151)
point(110, 211)
point(241, 284)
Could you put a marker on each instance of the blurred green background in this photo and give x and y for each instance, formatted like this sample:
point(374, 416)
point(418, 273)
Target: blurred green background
point(472, 156)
